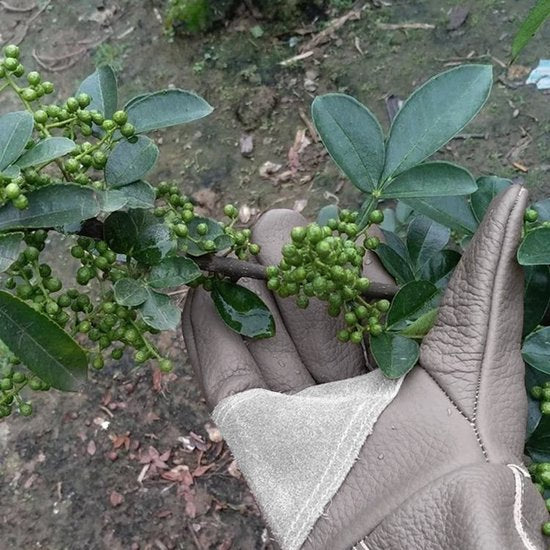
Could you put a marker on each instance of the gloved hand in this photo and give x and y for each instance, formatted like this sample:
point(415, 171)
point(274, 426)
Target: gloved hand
point(339, 457)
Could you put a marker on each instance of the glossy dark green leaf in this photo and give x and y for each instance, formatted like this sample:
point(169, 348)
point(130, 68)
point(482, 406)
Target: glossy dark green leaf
point(159, 312)
point(533, 378)
point(536, 350)
point(44, 347)
point(55, 205)
point(215, 233)
point(174, 271)
point(425, 238)
point(130, 161)
point(10, 244)
point(11, 171)
point(139, 234)
point(330, 211)
point(15, 131)
point(397, 266)
point(439, 267)
point(453, 212)
point(435, 113)
point(101, 86)
point(242, 310)
point(536, 298)
point(488, 187)
point(431, 179)
point(352, 136)
point(538, 444)
point(394, 354)
point(421, 326)
point(166, 108)
point(129, 292)
point(538, 14)
point(135, 195)
point(535, 247)
point(410, 299)
point(45, 151)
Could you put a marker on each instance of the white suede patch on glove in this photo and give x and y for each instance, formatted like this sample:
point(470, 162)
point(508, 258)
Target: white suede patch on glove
point(296, 450)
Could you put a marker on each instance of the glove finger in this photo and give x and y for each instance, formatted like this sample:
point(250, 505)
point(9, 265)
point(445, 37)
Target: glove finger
point(312, 330)
point(473, 351)
point(277, 357)
point(220, 358)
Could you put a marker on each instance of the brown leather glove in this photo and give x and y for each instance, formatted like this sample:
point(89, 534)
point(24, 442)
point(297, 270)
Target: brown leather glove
point(339, 457)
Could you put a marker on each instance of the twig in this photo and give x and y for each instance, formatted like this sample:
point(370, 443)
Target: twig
point(14, 9)
point(404, 26)
point(231, 267)
point(310, 127)
point(295, 58)
point(471, 136)
point(334, 25)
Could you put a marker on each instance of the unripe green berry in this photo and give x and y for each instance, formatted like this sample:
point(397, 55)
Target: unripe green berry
point(536, 392)
point(356, 337)
point(12, 191)
point(314, 233)
point(302, 301)
point(108, 125)
point(25, 409)
point(19, 377)
point(376, 330)
point(128, 130)
point(298, 234)
point(11, 51)
point(40, 116)
point(72, 165)
point(72, 105)
point(546, 529)
point(343, 336)
point(545, 407)
point(230, 211)
point(11, 63)
point(19, 70)
point(350, 318)
point(254, 249)
point(383, 305)
point(376, 216)
point(531, 215)
point(120, 117)
point(6, 384)
point(165, 365)
point(202, 229)
point(53, 284)
point(33, 78)
point(21, 202)
point(83, 100)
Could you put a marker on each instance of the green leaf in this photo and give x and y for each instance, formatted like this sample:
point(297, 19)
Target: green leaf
point(215, 233)
point(45, 151)
point(129, 162)
point(135, 195)
point(394, 354)
point(130, 293)
point(44, 347)
point(15, 131)
point(174, 271)
point(11, 171)
point(352, 136)
point(159, 312)
point(166, 108)
point(536, 297)
point(439, 267)
point(9, 249)
point(330, 211)
point(432, 179)
point(101, 86)
point(55, 205)
point(530, 26)
point(536, 350)
point(139, 234)
point(425, 238)
point(453, 212)
point(488, 187)
point(421, 326)
point(538, 444)
point(535, 247)
point(242, 310)
point(410, 299)
point(434, 114)
point(397, 266)
point(543, 209)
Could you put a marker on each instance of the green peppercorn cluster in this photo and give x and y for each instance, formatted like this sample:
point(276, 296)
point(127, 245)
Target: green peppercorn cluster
point(176, 209)
point(72, 118)
point(326, 262)
point(542, 394)
point(540, 475)
point(242, 246)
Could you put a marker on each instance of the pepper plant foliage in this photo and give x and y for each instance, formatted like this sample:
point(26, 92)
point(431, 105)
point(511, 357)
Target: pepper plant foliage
point(78, 167)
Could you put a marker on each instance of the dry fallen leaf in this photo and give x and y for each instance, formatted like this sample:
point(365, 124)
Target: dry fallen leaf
point(269, 168)
point(91, 448)
point(116, 499)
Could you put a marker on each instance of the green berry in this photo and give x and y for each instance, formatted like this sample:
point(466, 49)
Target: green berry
point(120, 117)
point(376, 216)
point(254, 249)
point(531, 215)
point(545, 407)
point(53, 284)
point(21, 202)
point(298, 234)
point(6, 384)
point(72, 165)
point(12, 191)
point(11, 51)
point(181, 230)
point(19, 377)
point(356, 337)
point(83, 100)
point(383, 305)
point(302, 301)
point(31, 253)
point(108, 125)
point(314, 233)
point(77, 252)
point(47, 87)
point(165, 365)
point(343, 336)
point(33, 78)
point(40, 116)
point(546, 529)
point(117, 353)
point(128, 130)
point(372, 243)
point(202, 229)
point(350, 318)
point(19, 70)
point(11, 64)
point(230, 211)
point(98, 362)
point(25, 409)
point(72, 105)
point(536, 392)
point(376, 330)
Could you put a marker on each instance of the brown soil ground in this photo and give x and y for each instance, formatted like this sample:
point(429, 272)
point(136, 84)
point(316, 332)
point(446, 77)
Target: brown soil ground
point(132, 463)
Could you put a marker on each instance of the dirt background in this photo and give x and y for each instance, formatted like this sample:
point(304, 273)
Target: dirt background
point(132, 463)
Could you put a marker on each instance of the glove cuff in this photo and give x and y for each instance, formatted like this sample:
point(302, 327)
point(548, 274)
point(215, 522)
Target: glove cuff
point(296, 450)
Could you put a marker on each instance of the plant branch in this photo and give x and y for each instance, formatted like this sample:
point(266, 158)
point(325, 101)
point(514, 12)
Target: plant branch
point(231, 267)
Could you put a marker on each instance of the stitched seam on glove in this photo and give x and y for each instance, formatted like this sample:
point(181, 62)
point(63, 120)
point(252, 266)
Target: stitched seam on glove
point(519, 475)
